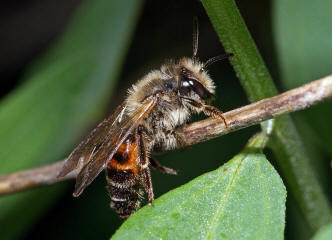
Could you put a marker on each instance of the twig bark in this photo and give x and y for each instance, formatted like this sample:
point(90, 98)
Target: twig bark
point(290, 101)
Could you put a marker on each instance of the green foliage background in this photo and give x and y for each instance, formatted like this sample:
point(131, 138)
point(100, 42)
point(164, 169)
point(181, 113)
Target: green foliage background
point(108, 45)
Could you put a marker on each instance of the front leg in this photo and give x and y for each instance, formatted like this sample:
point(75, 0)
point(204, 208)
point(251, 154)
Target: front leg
point(207, 109)
point(144, 164)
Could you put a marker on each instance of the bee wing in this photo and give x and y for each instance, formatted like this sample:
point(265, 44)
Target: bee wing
point(96, 138)
point(110, 146)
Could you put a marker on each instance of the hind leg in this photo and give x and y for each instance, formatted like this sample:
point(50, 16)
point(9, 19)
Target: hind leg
point(156, 165)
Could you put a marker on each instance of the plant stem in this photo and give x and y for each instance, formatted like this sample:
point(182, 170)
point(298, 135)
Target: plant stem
point(257, 82)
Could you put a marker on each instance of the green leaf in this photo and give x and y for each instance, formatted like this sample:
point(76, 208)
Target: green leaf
point(325, 233)
point(243, 199)
point(303, 46)
point(63, 93)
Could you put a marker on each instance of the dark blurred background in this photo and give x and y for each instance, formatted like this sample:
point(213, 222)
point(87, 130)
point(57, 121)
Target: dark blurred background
point(164, 30)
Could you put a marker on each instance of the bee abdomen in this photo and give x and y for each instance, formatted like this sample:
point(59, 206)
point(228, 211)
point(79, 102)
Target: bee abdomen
point(124, 191)
point(124, 201)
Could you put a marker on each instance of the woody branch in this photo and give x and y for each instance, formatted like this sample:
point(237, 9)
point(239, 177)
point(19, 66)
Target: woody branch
point(290, 101)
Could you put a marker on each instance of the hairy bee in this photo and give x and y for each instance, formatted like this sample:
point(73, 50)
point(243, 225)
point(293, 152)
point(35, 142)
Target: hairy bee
point(145, 123)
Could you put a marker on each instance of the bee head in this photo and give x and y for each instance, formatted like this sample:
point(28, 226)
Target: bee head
point(194, 80)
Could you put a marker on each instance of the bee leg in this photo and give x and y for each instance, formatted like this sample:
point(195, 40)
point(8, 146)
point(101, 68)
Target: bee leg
point(156, 165)
point(144, 164)
point(181, 143)
point(207, 109)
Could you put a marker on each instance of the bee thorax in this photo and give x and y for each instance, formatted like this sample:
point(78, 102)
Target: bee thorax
point(160, 126)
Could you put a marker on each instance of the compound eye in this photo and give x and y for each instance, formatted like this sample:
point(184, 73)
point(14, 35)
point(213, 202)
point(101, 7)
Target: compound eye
point(188, 83)
point(186, 86)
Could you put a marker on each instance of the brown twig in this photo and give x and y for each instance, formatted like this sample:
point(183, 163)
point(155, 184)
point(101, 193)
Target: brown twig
point(290, 101)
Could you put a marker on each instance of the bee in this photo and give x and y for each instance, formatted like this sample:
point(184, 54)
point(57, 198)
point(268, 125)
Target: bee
point(155, 106)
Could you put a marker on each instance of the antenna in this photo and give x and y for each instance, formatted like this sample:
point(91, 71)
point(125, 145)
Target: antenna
point(195, 38)
point(217, 58)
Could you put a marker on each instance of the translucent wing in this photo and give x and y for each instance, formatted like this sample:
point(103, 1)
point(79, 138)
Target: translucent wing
point(110, 146)
point(96, 138)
